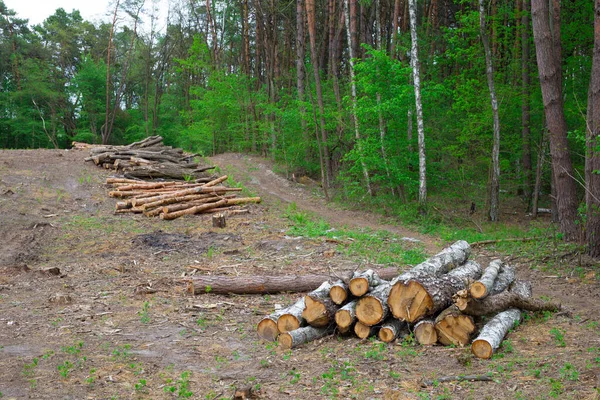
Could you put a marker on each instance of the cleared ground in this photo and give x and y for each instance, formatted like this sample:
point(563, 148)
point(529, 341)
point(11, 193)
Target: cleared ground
point(116, 322)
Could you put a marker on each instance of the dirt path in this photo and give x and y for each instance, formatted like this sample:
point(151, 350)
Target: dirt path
point(257, 173)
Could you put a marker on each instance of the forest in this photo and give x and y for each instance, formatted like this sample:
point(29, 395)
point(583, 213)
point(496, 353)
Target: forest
point(476, 103)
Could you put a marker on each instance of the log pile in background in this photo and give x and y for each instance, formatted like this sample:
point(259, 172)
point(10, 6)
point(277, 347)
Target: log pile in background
point(188, 191)
point(148, 159)
point(173, 199)
point(440, 300)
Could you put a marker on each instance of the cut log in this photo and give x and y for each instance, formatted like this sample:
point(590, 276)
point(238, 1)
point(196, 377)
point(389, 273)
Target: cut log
point(449, 258)
point(481, 288)
point(364, 331)
point(189, 204)
point(362, 282)
point(509, 299)
point(218, 220)
point(319, 310)
point(392, 330)
point(373, 308)
point(193, 210)
point(454, 327)
point(495, 330)
point(339, 292)
point(293, 339)
point(292, 319)
point(267, 327)
point(345, 317)
point(505, 278)
point(174, 200)
point(417, 298)
point(425, 332)
point(265, 284)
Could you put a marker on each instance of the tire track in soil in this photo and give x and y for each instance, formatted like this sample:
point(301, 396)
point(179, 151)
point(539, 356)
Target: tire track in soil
point(257, 173)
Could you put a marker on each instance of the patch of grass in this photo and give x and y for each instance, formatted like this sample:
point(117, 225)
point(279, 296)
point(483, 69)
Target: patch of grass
point(29, 368)
point(74, 349)
point(559, 336)
point(569, 372)
point(140, 386)
point(380, 247)
point(65, 368)
point(145, 313)
point(121, 352)
point(181, 387)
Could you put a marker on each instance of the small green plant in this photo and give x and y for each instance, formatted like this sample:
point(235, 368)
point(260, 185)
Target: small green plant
point(121, 352)
point(65, 368)
point(140, 386)
point(183, 383)
point(91, 378)
point(28, 368)
point(559, 336)
point(295, 376)
point(569, 372)
point(47, 355)
point(145, 313)
point(507, 346)
point(201, 322)
point(376, 352)
point(75, 349)
point(556, 388)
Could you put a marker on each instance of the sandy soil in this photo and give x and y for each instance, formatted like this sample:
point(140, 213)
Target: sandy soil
point(93, 305)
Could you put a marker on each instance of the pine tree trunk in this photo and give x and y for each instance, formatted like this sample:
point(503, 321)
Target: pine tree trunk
point(525, 105)
point(592, 160)
point(548, 52)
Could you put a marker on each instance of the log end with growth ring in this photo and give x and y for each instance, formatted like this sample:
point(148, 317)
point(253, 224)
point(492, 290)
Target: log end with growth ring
point(315, 312)
point(369, 311)
point(478, 290)
point(267, 329)
point(425, 333)
point(285, 340)
point(482, 349)
point(338, 294)
point(343, 319)
point(363, 331)
point(409, 301)
point(386, 334)
point(359, 286)
point(455, 330)
point(287, 322)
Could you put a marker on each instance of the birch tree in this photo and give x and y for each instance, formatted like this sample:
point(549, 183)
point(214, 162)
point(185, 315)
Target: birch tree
point(489, 71)
point(414, 61)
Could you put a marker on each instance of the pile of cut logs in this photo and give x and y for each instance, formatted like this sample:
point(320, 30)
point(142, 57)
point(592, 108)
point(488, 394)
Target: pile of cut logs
point(147, 159)
point(174, 199)
point(439, 300)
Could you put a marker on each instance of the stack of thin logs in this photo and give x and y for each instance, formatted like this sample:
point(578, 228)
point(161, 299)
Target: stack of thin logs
point(174, 199)
point(440, 301)
point(147, 159)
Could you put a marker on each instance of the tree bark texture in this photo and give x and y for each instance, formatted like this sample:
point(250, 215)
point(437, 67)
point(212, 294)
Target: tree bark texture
point(293, 339)
point(414, 60)
point(592, 165)
point(492, 334)
point(481, 288)
point(425, 296)
point(509, 299)
point(489, 71)
point(548, 49)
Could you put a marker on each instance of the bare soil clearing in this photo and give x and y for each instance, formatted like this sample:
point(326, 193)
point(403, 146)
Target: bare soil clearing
point(117, 322)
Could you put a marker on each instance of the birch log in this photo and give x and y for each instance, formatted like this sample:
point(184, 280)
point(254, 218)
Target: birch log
point(493, 332)
point(483, 286)
point(293, 339)
point(345, 317)
point(339, 292)
point(392, 330)
point(425, 332)
point(454, 327)
point(319, 310)
point(424, 296)
point(362, 282)
point(373, 308)
point(291, 319)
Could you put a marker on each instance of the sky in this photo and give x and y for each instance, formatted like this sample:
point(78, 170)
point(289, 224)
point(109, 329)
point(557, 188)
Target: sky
point(91, 10)
point(38, 10)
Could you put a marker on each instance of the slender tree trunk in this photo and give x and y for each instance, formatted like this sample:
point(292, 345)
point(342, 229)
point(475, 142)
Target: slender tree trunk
point(489, 70)
point(592, 160)
point(538, 174)
point(414, 60)
point(525, 106)
point(349, 5)
point(312, 33)
point(548, 51)
point(300, 70)
point(395, 24)
point(106, 132)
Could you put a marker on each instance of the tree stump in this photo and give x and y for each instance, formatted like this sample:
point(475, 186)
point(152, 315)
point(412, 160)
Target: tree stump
point(218, 220)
